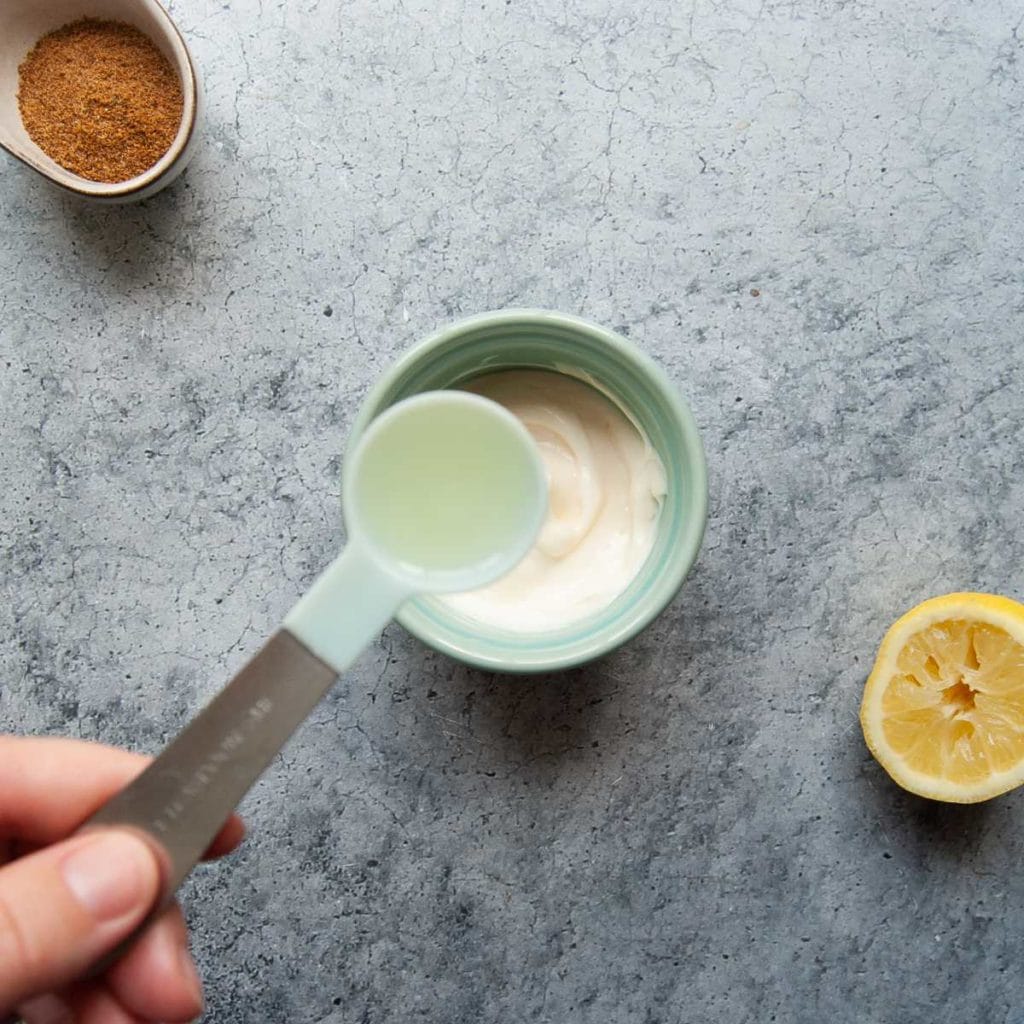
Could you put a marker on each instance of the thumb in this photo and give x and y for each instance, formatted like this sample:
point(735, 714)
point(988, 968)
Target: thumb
point(64, 907)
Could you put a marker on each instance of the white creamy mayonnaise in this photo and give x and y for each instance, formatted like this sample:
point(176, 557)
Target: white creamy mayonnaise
point(605, 486)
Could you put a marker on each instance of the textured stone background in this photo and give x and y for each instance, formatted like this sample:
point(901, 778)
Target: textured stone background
point(810, 212)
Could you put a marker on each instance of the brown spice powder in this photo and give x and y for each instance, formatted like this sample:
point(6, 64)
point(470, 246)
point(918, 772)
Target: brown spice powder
point(100, 99)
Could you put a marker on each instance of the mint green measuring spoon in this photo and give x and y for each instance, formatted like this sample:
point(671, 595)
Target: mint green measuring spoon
point(445, 492)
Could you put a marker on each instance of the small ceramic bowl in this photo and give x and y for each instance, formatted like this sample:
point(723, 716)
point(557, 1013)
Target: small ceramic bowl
point(24, 22)
point(535, 339)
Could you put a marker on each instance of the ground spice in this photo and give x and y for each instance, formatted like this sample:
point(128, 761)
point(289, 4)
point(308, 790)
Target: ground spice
point(100, 99)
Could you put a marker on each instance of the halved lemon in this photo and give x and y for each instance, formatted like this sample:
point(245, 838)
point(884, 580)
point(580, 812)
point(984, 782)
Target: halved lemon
point(943, 708)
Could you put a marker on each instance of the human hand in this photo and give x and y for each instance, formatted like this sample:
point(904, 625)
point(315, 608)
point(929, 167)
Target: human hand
point(64, 903)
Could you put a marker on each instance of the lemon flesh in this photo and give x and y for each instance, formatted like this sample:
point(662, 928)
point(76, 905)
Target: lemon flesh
point(943, 709)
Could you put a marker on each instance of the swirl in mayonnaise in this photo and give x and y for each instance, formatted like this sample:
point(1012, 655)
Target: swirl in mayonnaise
point(605, 488)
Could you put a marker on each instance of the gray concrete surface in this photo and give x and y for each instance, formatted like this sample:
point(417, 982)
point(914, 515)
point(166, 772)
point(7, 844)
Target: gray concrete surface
point(810, 212)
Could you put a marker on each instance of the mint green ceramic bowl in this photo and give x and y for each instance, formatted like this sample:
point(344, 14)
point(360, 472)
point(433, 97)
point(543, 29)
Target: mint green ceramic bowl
point(536, 339)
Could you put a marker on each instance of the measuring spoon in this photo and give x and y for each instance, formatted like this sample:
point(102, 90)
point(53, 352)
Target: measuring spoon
point(445, 492)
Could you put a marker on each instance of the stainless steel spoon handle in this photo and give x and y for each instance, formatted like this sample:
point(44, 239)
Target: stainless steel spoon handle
point(181, 801)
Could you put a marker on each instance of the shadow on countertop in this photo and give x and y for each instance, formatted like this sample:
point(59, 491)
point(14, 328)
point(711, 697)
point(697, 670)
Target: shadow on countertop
point(535, 718)
point(129, 243)
point(946, 830)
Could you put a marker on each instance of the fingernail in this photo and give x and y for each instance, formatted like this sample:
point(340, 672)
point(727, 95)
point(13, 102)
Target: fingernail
point(111, 875)
point(191, 978)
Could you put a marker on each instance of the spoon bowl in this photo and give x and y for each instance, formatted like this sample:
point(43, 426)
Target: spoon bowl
point(24, 22)
point(466, 523)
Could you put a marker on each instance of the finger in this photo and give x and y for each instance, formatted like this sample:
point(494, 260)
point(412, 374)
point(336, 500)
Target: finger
point(228, 839)
point(157, 978)
point(87, 1003)
point(47, 1009)
point(49, 786)
point(63, 908)
point(93, 1004)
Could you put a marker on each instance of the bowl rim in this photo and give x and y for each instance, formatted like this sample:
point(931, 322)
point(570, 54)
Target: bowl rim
point(684, 549)
point(85, 187)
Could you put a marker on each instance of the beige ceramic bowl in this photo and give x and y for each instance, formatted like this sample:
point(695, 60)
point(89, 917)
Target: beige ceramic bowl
point(24, 22)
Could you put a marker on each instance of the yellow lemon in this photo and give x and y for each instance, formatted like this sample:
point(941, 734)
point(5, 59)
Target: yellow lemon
point(943, 708)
